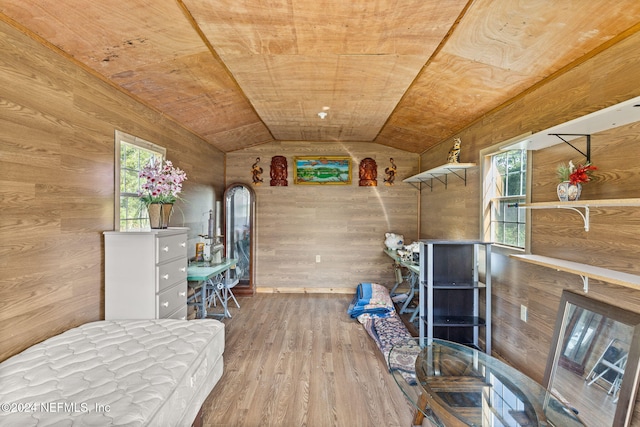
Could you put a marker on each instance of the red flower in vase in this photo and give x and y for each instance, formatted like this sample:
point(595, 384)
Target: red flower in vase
point(581, 174)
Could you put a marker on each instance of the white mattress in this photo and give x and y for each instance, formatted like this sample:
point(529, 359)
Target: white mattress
point(114, 373)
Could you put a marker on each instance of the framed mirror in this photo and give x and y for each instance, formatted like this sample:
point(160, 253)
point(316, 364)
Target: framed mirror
point(593, 363)
point(239, 237)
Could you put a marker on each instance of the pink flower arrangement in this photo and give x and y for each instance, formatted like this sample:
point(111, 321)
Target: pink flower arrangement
point(164, 182)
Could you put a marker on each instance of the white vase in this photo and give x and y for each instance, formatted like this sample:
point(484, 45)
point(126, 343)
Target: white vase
point(568, 192)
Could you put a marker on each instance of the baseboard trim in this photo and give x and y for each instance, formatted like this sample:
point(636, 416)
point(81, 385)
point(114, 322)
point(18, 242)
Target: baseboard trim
point(288, 290)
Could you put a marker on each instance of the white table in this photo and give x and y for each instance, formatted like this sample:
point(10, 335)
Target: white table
point(412, 278)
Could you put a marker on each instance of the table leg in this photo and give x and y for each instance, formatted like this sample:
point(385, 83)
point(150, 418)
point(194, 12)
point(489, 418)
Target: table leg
point(413, 283)
point(217, 293)
point(203, 300)
point(207, 299)
point(398, 273)
point(418, 416)
point(221, 292)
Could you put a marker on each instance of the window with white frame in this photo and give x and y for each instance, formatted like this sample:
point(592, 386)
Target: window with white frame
point(504, 189)
point(132, 154)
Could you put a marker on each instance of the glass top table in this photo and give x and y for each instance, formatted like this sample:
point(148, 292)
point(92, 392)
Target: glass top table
point(455, 385)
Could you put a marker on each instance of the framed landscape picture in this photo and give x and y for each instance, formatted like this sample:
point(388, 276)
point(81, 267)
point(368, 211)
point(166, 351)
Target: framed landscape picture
point(322, 170)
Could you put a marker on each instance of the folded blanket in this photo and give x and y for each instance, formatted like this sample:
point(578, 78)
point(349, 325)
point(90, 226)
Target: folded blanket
point(373, 307)
point(371, 299)
point(391, 333)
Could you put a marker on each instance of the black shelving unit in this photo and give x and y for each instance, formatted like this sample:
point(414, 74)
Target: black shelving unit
point(450, 292)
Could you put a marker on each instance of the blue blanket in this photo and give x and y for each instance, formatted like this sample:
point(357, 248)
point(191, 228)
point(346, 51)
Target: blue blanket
point(371, 299)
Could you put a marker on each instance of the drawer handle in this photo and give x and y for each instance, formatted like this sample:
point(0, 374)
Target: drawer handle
point(166, 249)
point(165, 304)
point(183, 244)
point(183, 294)
point(165, 277)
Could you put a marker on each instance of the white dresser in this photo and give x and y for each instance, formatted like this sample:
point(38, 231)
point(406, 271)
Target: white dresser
point(146, 274)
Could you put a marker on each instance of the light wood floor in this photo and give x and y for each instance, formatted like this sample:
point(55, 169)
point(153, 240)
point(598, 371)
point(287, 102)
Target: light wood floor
point(299, 360)
point(596, 407)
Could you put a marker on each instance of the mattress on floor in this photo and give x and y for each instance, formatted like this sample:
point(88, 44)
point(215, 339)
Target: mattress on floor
point(114, 373)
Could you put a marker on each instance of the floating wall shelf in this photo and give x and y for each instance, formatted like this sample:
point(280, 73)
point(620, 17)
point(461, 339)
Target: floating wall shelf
point(585, 205)
point(608, 118)
point(585, 271)
point(440, 173)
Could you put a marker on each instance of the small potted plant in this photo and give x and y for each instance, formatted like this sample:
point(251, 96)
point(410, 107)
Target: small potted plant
point(160, 191)
point(571, 179)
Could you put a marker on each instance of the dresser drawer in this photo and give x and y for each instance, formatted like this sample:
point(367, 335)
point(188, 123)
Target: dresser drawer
point(171, 273)
point(171, 247)
point(172, 299)
point(181, 314)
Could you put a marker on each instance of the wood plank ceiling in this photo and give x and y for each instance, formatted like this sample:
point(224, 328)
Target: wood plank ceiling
point(402, 73)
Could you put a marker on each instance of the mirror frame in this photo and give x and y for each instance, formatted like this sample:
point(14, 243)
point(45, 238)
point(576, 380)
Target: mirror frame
point(629, 387)
point(242, 289)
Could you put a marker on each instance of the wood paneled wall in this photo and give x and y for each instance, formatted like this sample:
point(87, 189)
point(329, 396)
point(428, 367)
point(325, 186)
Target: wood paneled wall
point(344, 224)
point(57, 126)
point(612, 242)
point(56, 188)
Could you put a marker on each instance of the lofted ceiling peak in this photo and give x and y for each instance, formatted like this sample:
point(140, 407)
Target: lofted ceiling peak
point(402, 73)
